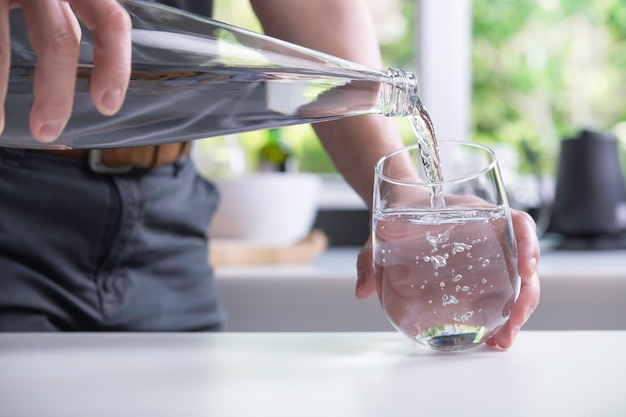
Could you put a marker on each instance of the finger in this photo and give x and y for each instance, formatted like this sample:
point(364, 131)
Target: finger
point(70, 17)
point(111, 26)
point(528, 261)
point(523, 308)
point(5, 58)
point(528, 251)
point(57, 46)
point(366, 283)
point(528, 256)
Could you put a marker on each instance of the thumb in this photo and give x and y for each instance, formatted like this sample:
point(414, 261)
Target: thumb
point(366, 282)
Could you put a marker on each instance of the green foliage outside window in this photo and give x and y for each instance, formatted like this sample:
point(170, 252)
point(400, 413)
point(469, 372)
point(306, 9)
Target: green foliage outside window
point(545, 69)
point(542, 70)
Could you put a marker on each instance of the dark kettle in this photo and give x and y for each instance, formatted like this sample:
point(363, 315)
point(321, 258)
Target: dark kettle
point(589, 208)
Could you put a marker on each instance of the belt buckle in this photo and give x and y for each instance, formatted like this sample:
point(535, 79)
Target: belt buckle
point(96, 164)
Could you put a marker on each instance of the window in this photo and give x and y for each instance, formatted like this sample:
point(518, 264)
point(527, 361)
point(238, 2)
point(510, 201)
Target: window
point(544, 69)
point(524, 74)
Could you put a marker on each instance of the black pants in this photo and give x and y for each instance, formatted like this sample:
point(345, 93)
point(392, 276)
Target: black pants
point(84, 251)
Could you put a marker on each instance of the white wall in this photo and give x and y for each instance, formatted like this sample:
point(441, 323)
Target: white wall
point(444, 64)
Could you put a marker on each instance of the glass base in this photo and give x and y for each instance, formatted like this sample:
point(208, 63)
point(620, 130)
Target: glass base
point(453, 337)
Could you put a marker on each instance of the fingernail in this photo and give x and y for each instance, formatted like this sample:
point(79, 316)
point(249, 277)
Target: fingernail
point(360, 283)
point(50, 131)
point(110, 102)
point(515, 333)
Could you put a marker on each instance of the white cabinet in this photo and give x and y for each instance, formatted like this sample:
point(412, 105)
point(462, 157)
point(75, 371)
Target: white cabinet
point(579, 291)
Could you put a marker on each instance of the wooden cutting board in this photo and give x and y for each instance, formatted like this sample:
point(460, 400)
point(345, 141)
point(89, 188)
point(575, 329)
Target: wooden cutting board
point(232, 252)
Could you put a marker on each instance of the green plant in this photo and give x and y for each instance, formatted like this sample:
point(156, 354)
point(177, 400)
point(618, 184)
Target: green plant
point(543, 70)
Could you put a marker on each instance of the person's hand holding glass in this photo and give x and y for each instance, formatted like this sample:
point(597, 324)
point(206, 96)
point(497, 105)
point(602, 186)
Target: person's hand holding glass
point(445, 254)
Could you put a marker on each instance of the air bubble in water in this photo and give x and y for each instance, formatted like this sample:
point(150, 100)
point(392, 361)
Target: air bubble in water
point(458, 247)
point(463, 318)
point(486, 263)
point(438, 261)
point(449, 299)
point(438, 238)
point(457, 278)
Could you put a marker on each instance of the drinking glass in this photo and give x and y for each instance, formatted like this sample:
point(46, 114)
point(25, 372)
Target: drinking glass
point(445, 255)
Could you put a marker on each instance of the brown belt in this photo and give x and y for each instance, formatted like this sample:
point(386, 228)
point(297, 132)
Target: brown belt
point(111, 160)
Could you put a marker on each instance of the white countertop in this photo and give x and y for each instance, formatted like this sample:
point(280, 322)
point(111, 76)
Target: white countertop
point(341, 262)
point(308, 374)
point(580, 290)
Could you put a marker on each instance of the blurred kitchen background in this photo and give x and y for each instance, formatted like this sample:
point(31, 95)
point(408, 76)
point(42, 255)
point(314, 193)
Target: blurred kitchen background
point(524, 77)
point(521, 77)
